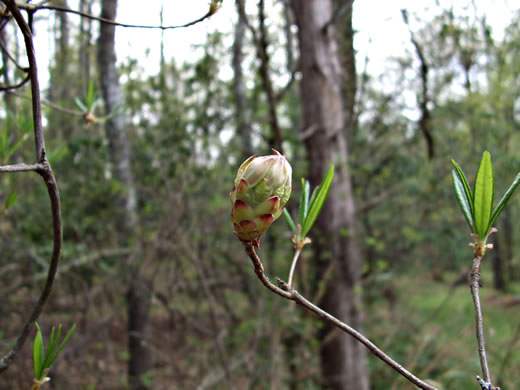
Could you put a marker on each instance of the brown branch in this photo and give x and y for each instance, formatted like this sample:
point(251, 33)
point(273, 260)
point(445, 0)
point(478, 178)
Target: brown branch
point(21, 168)
point(286, 292)
point(5, 88)
point(43, 168)
point(479, 322)
point(11, 57)
point(59, 8)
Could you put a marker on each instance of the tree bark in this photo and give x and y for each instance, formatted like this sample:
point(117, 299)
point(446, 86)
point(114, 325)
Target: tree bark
point(138, 295)
point(343, 360)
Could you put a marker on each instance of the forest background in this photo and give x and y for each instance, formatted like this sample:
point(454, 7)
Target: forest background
point(161, 291)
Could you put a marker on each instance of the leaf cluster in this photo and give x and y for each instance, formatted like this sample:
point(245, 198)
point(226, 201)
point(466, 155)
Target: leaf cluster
point(477, 205)
point(310, 207)
point(43, 360)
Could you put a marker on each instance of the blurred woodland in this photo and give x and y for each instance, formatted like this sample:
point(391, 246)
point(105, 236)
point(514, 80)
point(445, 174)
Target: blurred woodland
point(162, 292)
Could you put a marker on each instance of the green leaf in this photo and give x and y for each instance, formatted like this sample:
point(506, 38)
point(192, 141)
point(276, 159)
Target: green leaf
point(464, 202)
point(290, 221)
point(317, 202)
point(51, 346)
point(65, 340)
point(503, 202)
point(313, 196)
point(304, 202)
point(80, 104)
point(465, 183)
point(484, 188)
point(90, 94)
point(11, 200)
point(37, 352)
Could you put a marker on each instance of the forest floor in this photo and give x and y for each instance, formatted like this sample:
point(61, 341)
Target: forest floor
point(428, 326)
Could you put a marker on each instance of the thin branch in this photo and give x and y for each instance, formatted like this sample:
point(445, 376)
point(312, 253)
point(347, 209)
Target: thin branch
point(36, 7)
point(53, 105)
point(4, 88)
point(43, 168)
point(479, 323)
point(21, 168)
point(285, 291)
point(13, 60)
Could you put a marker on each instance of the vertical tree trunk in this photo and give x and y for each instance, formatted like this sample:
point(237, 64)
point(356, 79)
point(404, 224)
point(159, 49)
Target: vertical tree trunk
point(138, 296)
point(61, 92)
point(343, 360)
point(348, 63)
point(242, 122)
point(85, 32)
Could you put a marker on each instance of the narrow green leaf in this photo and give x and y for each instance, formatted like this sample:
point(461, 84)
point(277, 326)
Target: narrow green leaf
point(318, 201)
point(37, 352)
point(51, 346)
point(465, 183)
point(503, 202)
point(313, 196)
point(461, 195)
point(304, 202)
point(290, 221)
point(90, 94)
point(11, 200)
point(484, 188)
point(80, 105)
point(65, 340)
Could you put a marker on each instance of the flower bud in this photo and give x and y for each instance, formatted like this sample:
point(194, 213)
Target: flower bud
point(262, 188)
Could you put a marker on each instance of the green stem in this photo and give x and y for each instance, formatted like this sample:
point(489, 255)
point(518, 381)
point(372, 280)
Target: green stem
point(293, 266)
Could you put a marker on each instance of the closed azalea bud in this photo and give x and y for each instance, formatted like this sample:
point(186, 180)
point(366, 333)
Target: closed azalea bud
point(262, 188)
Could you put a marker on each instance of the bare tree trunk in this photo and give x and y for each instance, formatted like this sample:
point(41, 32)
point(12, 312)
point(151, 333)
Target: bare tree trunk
point(138, 296)
point(343, 360)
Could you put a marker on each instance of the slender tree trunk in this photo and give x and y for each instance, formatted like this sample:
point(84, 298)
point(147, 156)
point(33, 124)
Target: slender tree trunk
point(138, 295)
point(343, 360)
point(85, 32)
point(348, 62)
point(242, 122)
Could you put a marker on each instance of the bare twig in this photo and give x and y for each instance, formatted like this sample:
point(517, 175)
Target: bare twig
point(18, 85)
point(43, 168)
point(35, 7)
point(285, 291)
point(21, 168)
point(479, 323)
point(52, 105)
